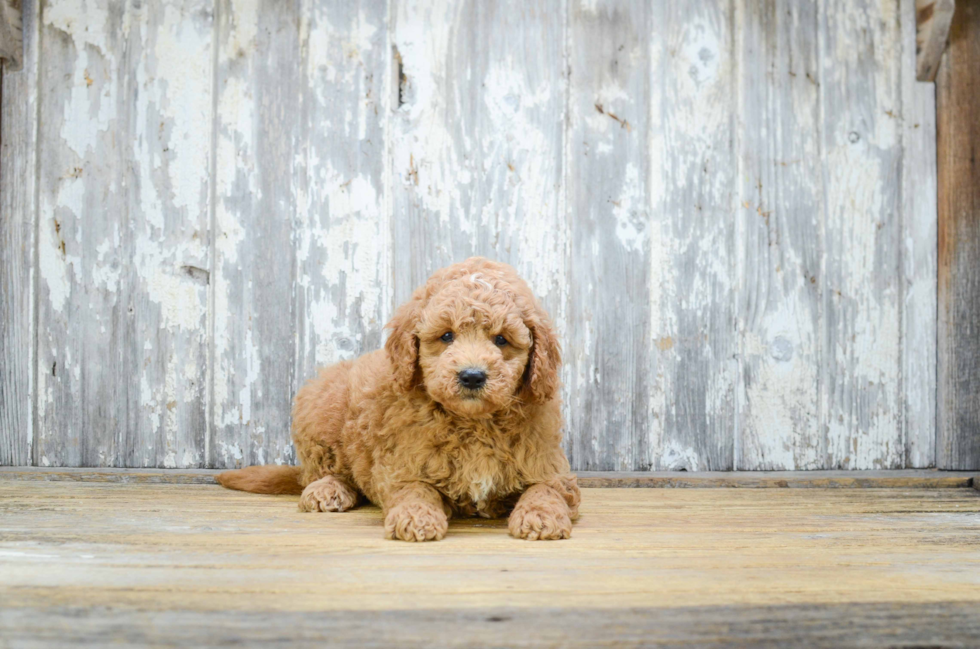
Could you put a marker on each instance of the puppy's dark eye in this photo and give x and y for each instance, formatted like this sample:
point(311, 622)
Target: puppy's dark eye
point(447, 337)
point(500, 341)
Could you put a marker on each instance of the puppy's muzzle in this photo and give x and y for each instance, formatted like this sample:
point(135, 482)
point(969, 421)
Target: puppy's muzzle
point(472, 378)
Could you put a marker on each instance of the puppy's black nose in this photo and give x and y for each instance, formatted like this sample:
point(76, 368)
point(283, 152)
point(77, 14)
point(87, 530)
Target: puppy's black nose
point(472, 378)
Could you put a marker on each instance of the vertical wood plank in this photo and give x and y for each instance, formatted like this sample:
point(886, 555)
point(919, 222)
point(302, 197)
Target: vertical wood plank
point(779, 213)
point(860, 89)
point(477, 141)
point(257, 118)
point(958, 131)
point(168, 209)
point(692, 258)
point(18, 131)
point(918, 253)
point(300, 215)
point(608, 346)
point(342, 225)
point(122, 248)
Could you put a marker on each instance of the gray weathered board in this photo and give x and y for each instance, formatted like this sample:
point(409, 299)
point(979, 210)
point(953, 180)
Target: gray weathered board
point(728, 207)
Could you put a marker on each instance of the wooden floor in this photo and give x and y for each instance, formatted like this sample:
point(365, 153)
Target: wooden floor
point(190, 565)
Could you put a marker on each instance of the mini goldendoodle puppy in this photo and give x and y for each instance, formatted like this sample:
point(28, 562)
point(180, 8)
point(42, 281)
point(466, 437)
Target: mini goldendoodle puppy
point(458, 414)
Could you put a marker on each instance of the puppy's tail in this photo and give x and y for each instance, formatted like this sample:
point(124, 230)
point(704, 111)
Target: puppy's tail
point(263, 479)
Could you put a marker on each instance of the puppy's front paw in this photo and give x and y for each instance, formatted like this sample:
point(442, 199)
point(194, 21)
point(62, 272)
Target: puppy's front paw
point(415, 521)
point(327, 494)
point(535, 522)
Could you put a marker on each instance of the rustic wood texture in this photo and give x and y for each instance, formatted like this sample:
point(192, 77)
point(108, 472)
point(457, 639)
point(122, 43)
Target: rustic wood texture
point(958, 151)
point(117, 556)
point(18, 130)
point(779, 215)
point(342, 224)
point(11, 34)
point(860, 95)
point(727, 207)
point(932, 20)
point(886, 479)
point(476, 140)
point(693, 263)
point(830, 626)
point(918, 257)
point(301, 259)
point(609, 367)
point(122, 225)
point(851, 479)
point(258, 148)
point(111, 474)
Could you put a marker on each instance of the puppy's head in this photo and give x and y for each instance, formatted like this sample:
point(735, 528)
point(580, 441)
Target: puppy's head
point(475, 338)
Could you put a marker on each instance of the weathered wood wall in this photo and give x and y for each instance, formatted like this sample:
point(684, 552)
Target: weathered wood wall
point(728, 206)
point(957, 89)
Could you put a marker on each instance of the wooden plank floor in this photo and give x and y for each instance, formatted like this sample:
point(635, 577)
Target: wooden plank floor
point(193, 565)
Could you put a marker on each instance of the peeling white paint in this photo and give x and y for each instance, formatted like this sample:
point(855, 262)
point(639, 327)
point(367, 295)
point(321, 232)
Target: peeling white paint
point(862, 413)
point(476, 159)
point(675, 457)
point(919, 225)
point(630, 211)
point(53, 266)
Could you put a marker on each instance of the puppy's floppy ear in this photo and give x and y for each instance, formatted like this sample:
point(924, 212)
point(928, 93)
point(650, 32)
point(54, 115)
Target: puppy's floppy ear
point(541, 375)
point(402, 346)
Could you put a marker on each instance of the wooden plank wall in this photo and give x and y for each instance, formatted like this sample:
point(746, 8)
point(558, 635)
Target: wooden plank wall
point(18, 130)
point(957, 87)
point(728, 207)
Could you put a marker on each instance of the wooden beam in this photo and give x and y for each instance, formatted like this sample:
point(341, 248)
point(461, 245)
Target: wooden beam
point(892, 624)
point(124, 476)
point(894, 479)
point(932, 19)
point(11, 38)
point(958, 167)
point(888, 479)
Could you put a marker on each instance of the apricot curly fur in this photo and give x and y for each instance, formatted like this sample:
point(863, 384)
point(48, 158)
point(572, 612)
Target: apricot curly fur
point(328, 494)
point(398, 427)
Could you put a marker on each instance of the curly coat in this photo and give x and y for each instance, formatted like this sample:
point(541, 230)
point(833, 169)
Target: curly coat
point(399, 427)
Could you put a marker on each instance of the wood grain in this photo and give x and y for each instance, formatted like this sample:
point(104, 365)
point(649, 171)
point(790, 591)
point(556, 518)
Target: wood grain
point(889, 479)
point(918, 256)
point(18, 163)
point(778, 221)
point(111, 474)
point(932, 20)
point(609, 351)
point(258, 119)
point(477, 141)
point(201, 548)
point(301, 253)
point(861, 159)
point(11, 35)
point(958, 147)
point(727, 207)
point(693, 260)
point(851, 479)
point(122, 225)
point(342, 228)
point(833, 626)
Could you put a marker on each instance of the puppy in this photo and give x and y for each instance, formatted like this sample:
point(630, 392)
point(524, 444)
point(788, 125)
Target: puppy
point(459, 414)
